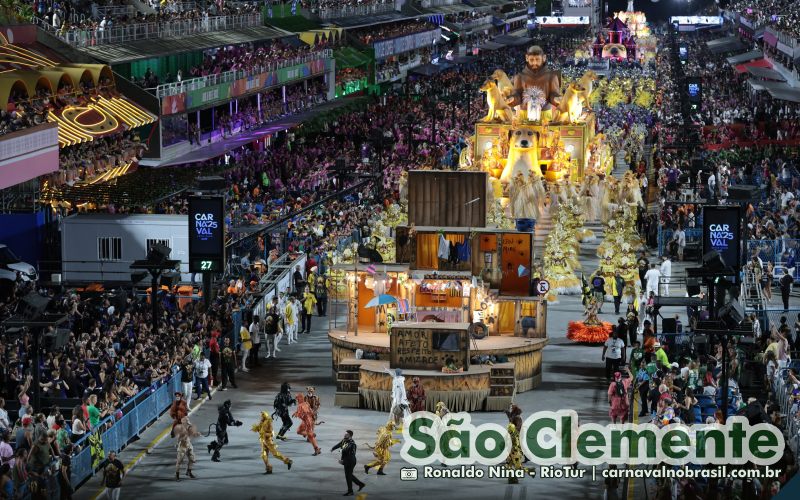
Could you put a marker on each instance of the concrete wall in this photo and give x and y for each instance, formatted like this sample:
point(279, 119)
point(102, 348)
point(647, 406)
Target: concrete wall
point(79, 244)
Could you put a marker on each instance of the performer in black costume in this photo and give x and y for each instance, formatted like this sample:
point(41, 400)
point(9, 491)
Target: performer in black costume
point(282, 403)
point(224, 419)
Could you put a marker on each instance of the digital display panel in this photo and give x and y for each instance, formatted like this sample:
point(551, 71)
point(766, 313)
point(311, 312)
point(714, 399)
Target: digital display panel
point(206, 234)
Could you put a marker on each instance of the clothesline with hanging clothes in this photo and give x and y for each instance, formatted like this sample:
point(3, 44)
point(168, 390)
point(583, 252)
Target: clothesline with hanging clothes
point(454, 248)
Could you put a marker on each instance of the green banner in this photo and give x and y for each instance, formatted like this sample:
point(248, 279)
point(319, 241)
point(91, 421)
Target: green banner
point(299, 71)
point(208, 95)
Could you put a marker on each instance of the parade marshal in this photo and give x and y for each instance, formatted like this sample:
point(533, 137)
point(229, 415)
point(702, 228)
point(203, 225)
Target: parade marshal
point(535, 74)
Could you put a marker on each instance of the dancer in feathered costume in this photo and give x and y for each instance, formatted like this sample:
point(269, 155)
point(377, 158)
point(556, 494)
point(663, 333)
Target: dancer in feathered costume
point(539, 193)
point(381, 448)
point(557, 268)
point(306, 416)
point(609, 203)
point(523, 198)
point(264, 430)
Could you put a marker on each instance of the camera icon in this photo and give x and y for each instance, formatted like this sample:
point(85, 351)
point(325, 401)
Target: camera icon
point(408, 474)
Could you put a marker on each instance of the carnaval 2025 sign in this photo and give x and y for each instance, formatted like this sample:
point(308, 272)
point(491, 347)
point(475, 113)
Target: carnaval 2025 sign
point(721, 233)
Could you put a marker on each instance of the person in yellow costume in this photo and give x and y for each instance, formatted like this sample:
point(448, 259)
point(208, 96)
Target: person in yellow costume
point(515, 456)
point(381, 448)
point(309, 304)
point(264, 430)
point(247, 344)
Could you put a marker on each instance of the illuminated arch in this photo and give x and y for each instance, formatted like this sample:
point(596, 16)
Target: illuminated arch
point(8, 86)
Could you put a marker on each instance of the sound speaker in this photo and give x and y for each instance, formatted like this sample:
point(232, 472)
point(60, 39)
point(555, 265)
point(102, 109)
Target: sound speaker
point(120, 301)
point(669, 325)
point(170, 279)
point(211, 183)
point(138, 276)
point(731, 313)
point(743, 192)
point(33, 305)
point(692, 286)
point(712, 261)
point(341, 164)
point(158, 253)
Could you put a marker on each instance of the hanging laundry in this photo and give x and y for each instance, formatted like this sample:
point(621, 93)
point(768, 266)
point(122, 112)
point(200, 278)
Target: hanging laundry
point(464, 250)
point(444, 248)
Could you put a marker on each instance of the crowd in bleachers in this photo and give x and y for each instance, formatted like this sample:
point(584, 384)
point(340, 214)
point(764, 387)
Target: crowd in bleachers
point(750, 139)
point(784, 15)
point(59, 17)
point(241, 57)
point(110, 354)
point(386, 31)
point(82, 162)
point(23, 111)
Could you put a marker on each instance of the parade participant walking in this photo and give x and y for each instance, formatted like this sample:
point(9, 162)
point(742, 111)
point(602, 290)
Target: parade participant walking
point(184, 432)
point(224, 419)
point(281, 406)
point(264, 430)
point(381, 448)
point(187, 379)
point(290, 320)
point(666, 272)
point(306, 428)
point(178, 410)
point(652, 278)
point(247, 344)
point(348, 460)
point(618, 397)
point(214, 357)
point(228, 356)
point(786, 287)
point(632, 320)
point(113, 473)
point(416, 396)
point(599, 292)
point(272, 329)
point(255, 338)
point(613, 353)
point(313, 401)
point(309, 300)
point(321, 294)
point(642, 263)
point(400, 406)
point(201, 367)
point(617, 287)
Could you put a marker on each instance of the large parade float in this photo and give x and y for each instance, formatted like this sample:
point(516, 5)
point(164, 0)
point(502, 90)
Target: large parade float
point(451, 290)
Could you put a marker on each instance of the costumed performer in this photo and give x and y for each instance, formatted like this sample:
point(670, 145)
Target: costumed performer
point(281, 406)
point(224, 419)
point(399, 409)
point(264, 430)
point(178, 410)
point(306, 427)
point(591, 329)
point(416, 395)
point(381, 448)
point(313, 401)
point(184, 432)
point(515, 456)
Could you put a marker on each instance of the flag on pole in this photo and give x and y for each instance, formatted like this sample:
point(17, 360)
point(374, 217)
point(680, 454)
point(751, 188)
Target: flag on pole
point(294, 7)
